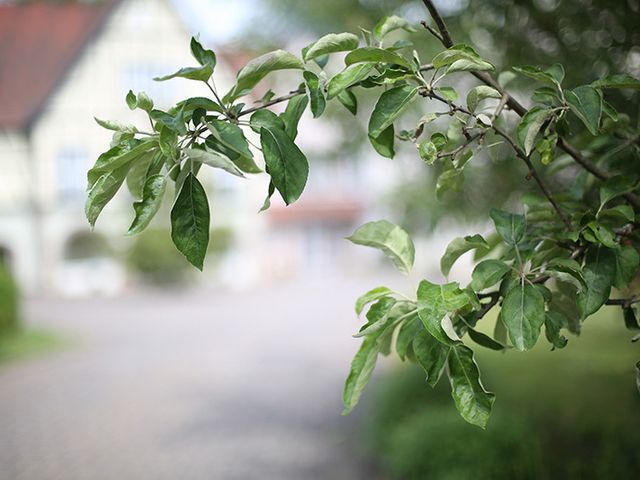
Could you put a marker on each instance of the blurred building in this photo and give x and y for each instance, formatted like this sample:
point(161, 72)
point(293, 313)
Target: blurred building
point(61, 64)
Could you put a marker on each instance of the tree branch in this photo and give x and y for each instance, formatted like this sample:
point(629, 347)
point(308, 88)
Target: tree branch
point(623, 302)
point(513, 104)
point(495, 297)
point(276, 100)
point(445, 37)
point(519, 152)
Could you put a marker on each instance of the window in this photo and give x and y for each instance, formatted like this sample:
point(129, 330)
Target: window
point(71, 174)
point(139, 78)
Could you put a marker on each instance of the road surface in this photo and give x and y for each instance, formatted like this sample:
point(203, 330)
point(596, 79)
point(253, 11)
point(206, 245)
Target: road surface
point(195, 385)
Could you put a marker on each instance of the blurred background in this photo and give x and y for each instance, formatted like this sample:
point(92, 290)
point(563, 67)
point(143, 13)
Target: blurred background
point(118, 360)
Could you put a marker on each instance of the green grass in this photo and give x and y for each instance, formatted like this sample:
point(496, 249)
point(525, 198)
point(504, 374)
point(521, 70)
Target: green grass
point(569, 414)
point(26, 343)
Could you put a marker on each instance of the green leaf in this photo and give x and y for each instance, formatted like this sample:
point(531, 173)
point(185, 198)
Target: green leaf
point(146, 209)
point(448, 93)
point(552, 76)
point(461, 58)
point(190, 221)
point(389, 107)
point(316, 93)
point(623, 211)
point(477, 94)
point(144, 102)
point(231, 137)
point(523, 314)
point(431, 355)
point(260, 67)
point(530, 125)
point(509, 226)
point(331, 43)
point(371, 296)
point(292, 114)
point(383, 144)
point(202, 73)
point(567, 265)
point(435, 302)
point(174, 122)
point(132, 100)
point(389, 24)
point(586, 103)
point(547, 147)
point(376, 55)
point(118, 157)
point(348, 77)
point(378, 317)
point(457, 248)
point(201, 54)
point(137, 174)
point(599, 272)
point(102, 191)
point(286, 164)
point(361, 369)
point(614, 187)
point(195, 103)
point(407, 332)
point(267, 201)
point(553, 323)
point(428, 152)
point(349, 100)
point(449, 180)
point(168, 142)
point(472, 401)
point(621, 80)
point(213, 159)
point(394, 242)
point(266, 118)
point(485, 340)
point(627, 262)
point(487, 273)
point(116, 126)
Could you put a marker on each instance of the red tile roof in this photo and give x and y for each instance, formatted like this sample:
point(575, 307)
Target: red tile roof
point(39, 41)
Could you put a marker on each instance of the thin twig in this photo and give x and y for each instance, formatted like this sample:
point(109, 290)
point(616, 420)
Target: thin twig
point(623, 302)
point(495, 297)
point(458, 149)
point(442, 27)
point(499, 108)
point(432, 31)
point(284, 98)
point(519, 152)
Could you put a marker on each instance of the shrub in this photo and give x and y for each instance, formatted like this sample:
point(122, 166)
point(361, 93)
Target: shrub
point(155, 259)
point(545, 426)
point(8, 302)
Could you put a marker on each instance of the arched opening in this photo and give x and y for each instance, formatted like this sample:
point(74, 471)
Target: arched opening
point(89, 266)
point(6, 258)
point(86, 246)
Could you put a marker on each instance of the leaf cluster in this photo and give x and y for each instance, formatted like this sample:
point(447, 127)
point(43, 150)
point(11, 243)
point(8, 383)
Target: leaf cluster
point(547, 268)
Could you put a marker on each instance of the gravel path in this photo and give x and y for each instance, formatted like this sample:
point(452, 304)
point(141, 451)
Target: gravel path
point(196, 385)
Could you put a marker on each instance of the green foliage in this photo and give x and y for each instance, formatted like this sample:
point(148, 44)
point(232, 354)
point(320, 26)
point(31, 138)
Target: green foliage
point(9, 303)
point(391, 239)
point(543, 426)
point(552, 264)
point(154, 258)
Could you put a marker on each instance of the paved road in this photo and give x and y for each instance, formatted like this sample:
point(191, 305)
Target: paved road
point(195, 385)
